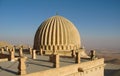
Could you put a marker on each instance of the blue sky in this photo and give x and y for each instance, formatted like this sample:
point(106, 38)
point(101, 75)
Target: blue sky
point(98, 21)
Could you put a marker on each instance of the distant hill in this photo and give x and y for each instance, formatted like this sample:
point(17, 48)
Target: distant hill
point(110, 56)
point(24, 46)
point(4, 44)
point(114, 61)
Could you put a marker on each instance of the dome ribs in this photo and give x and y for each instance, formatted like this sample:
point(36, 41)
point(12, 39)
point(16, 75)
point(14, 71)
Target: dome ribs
point(40, 33)
point(37, 39)
point(68, 32)
point(52, 32)
point(61, 33)
point(46, 33)
point(57, 33)
point(64, 32)
point(47, 41)
point(43, 34)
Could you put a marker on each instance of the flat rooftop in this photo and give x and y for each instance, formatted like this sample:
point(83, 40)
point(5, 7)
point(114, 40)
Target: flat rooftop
point(41, 63)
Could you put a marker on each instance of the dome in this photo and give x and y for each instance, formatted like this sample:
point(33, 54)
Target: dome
point(57, 33)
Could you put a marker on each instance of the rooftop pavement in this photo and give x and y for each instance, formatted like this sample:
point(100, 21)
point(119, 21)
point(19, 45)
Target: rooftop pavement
point(41, 63)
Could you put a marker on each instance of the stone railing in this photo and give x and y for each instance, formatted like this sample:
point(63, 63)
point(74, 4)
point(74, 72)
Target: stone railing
point(90, 68)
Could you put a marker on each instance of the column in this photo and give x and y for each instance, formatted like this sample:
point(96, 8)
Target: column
point(56, 61)
point(41, 51)
point(2, 50)
point(34, 54)
point(22, 66)
point(21, 52)
point(13, 49)
point(30, 50)
point(7, 48)
point(12, 56)
point(77, 59)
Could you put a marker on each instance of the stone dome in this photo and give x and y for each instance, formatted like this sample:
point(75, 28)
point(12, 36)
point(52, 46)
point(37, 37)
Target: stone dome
point(57, 33)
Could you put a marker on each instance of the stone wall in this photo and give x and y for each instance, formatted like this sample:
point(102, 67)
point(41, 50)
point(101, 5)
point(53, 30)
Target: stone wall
point(90, 68)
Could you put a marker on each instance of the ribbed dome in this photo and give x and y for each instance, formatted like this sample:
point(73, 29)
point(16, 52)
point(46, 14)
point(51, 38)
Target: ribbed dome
point(57, 33)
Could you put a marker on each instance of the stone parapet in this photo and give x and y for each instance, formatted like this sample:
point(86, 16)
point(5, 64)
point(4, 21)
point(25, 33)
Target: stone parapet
point(90, 68)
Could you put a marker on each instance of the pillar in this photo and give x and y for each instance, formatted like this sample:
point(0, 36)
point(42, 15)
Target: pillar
point(22, 66)
point(51, 57)
point(2, 50)
point(34, 54)
point(30, 50)
point(7, 48)
point(21, 52)
point(13, 49)
point(56, 61)
point(12, 56)
point(41, 51)
point(77, 59)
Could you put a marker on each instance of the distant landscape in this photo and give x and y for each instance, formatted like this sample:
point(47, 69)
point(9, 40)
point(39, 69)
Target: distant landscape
point(112, 58)
point(112, 61)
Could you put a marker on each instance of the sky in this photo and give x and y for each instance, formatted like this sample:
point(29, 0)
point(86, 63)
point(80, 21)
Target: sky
point(98, 21)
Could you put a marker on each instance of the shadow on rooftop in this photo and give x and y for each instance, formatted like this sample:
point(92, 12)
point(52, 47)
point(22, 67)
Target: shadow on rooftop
point(38, 64)
point(41, 60)
point(67, 61)
point(4, 69)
